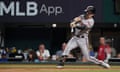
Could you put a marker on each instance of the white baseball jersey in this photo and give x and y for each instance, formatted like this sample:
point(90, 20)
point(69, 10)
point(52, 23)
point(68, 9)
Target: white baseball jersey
point(87, 22)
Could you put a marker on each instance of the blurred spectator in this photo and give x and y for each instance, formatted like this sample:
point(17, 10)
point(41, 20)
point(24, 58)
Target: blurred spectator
point(7, 50)
point(3, 55)
point(118, 55)
point(32, 56)
point(3, 58)
point(59, 53)
point(2, 51)
point(113, 52)
point(25, 53)
point(91, 51)
point(19, 55)
point(104, 51)
point(19, 51)
point(13, 50)
point(42, 54)
point(110, 41)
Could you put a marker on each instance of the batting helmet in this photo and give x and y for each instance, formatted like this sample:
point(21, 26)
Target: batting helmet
point(90, 9)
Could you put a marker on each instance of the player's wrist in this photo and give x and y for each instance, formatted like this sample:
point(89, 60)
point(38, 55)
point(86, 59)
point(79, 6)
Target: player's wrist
point(72, 25)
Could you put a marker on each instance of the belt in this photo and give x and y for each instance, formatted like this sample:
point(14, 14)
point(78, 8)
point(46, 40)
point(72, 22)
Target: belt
point(81, 36)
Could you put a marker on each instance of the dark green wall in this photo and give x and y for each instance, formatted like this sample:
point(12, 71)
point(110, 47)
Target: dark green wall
point(27, 37)
point(23, 38)
point(109, 14)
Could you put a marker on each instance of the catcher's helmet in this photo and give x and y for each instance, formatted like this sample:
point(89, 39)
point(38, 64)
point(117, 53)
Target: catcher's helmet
point(90, 9)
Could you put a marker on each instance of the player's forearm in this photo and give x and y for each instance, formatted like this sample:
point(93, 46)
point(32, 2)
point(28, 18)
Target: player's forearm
point(75, 20)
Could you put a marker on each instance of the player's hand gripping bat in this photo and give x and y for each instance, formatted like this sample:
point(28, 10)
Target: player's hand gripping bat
point(73, 23)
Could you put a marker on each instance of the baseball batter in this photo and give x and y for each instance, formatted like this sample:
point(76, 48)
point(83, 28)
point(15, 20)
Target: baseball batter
point(80, 27)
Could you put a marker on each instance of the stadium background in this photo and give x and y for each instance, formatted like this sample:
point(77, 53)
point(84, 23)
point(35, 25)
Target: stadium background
point(28, 31)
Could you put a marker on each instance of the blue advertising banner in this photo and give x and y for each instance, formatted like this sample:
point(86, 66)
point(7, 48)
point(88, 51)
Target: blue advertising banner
point(46, 10)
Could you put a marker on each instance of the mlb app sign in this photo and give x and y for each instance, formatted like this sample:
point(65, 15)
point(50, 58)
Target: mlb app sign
point(45, 10)
point(31, 9)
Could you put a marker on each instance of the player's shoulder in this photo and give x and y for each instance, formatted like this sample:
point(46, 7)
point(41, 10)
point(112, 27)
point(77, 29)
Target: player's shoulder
point(91, 20)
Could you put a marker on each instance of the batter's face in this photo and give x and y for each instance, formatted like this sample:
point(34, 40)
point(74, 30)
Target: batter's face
point(89, 15)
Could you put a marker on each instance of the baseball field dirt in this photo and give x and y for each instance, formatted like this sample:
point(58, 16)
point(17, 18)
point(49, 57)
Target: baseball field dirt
point(52, 68)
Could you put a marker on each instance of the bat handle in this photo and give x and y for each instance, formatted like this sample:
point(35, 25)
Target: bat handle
point(72, 30)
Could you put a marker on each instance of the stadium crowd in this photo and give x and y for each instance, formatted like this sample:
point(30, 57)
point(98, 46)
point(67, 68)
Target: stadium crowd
point(42, 54)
